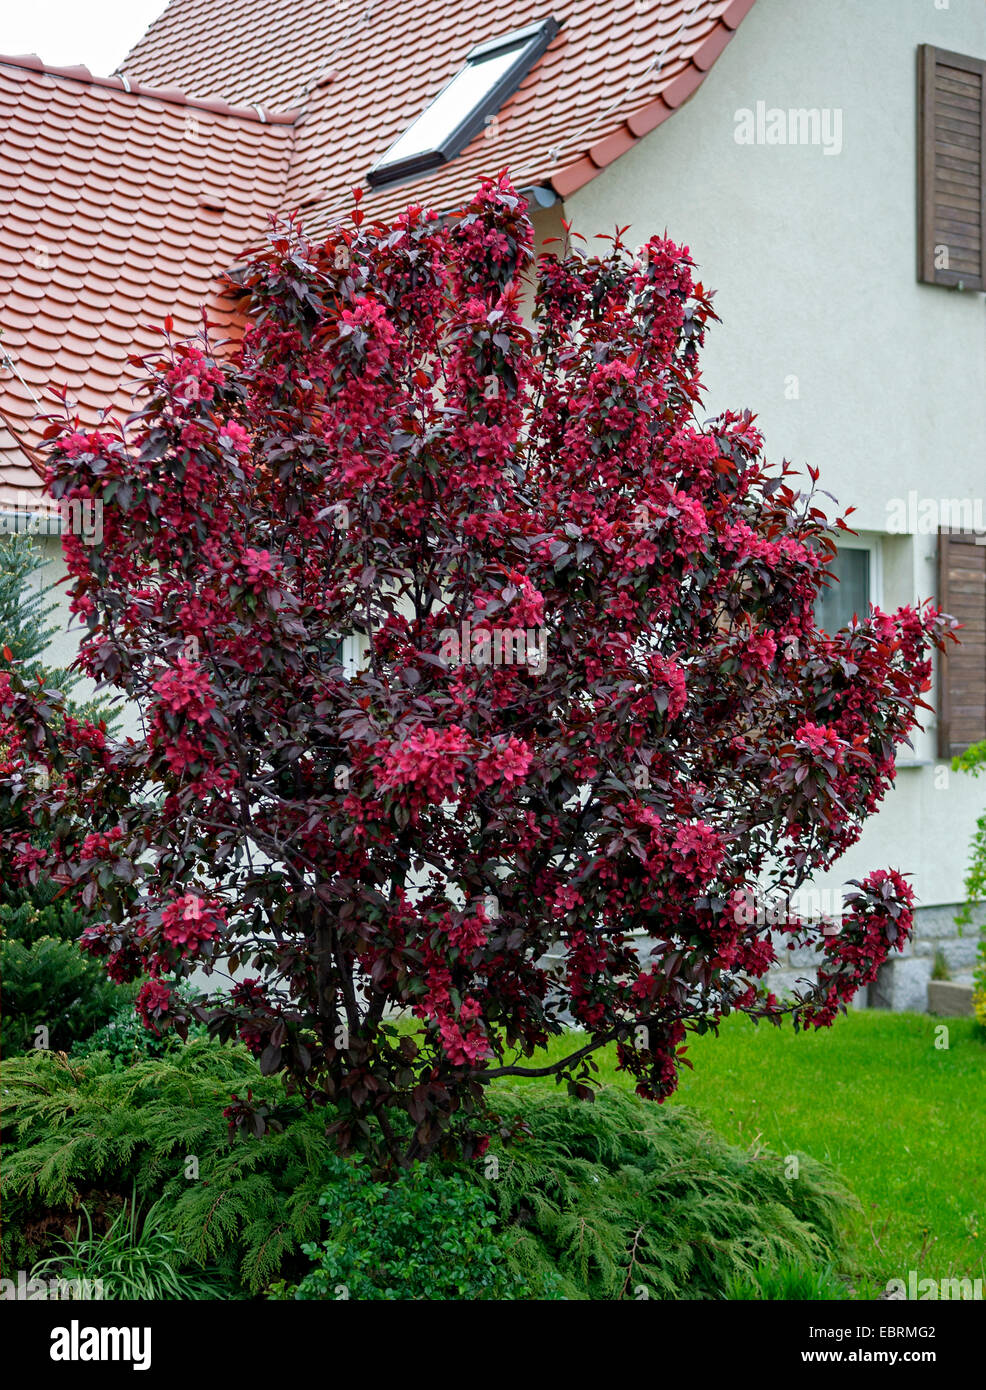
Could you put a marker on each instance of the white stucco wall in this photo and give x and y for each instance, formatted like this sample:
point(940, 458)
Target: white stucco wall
point(813, 258)
point(63, 648)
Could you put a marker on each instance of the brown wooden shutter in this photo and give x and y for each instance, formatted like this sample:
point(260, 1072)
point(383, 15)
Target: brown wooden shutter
point(962, 671)
point(951, 168)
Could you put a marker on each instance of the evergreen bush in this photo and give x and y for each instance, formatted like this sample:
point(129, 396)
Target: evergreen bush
point(624, 1200)
point(47, 982)
point(78, 1131)
point(611, 1199)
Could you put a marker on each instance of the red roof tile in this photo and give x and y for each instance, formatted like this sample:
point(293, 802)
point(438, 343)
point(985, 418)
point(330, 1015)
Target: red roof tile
point(613, 72)
point(95, 246)
point(126, 198)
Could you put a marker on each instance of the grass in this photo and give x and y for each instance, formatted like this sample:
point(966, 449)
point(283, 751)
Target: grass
point(132, 1260)
point(901, 1120)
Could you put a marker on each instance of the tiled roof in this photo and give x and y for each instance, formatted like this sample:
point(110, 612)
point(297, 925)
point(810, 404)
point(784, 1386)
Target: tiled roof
point(363, 70)
point(127, 197)
point(249, 51)
point(119, 208)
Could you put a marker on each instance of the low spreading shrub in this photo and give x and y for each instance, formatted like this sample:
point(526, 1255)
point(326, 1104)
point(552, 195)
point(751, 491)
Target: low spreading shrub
point(608, 1199)
point(626, 1200)
point(425, 1234)
point(78, 1131)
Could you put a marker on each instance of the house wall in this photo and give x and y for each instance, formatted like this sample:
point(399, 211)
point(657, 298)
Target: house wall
point(64, 645)
point(68, 632)
point(850, 363)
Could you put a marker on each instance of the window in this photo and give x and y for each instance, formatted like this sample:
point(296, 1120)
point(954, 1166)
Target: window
point(346, 650)
point(951, 169)
point(836, 605)
point(962, 670)
point(493, 72)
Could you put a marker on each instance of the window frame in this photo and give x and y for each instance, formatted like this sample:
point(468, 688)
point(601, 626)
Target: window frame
point(874, 579)
point(531, 42)
point(351, 654)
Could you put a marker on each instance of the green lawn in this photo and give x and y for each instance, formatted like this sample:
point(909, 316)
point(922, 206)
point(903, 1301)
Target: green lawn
point(902, 1121)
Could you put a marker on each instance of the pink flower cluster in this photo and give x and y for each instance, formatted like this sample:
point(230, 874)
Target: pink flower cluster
point(463, 1038)
point(428, 762)
point(259, 567)
point(881, 918)
point(508, 762)
point(100, 845)
point(124, 958)
point(367, 324)
point(190, 920)
point(153, 1004)
point(566, 899)
point(759, 651)
point(185, 689)
point(820, 741)
point(697, 852)
point(193, 378)
point(235, 437)
point(470, 932)
point(671, 677)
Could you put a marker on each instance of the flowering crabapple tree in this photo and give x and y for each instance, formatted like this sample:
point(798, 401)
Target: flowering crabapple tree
point(400, 879)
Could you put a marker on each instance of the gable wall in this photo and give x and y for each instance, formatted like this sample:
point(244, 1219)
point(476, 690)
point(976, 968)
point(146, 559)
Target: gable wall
point(813, 257)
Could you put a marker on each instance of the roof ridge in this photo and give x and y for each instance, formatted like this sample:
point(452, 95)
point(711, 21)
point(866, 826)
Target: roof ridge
point(129, 86)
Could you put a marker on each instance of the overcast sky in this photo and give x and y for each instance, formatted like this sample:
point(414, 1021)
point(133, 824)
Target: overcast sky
point(98, 33)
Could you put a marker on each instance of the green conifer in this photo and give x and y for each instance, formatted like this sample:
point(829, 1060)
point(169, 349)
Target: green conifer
point(52, 995)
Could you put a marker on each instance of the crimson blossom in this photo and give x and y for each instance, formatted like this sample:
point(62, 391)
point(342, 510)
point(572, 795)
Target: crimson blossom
point(586, 708)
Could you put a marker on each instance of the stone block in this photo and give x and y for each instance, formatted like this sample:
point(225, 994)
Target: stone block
point(785, 982)
point(961, 953)
point(902, 985)
point(935, 923)
point(949, 999)
point(804, 958)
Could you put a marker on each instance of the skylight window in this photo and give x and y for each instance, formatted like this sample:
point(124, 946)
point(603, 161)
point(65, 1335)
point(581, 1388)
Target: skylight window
point(493, 72)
